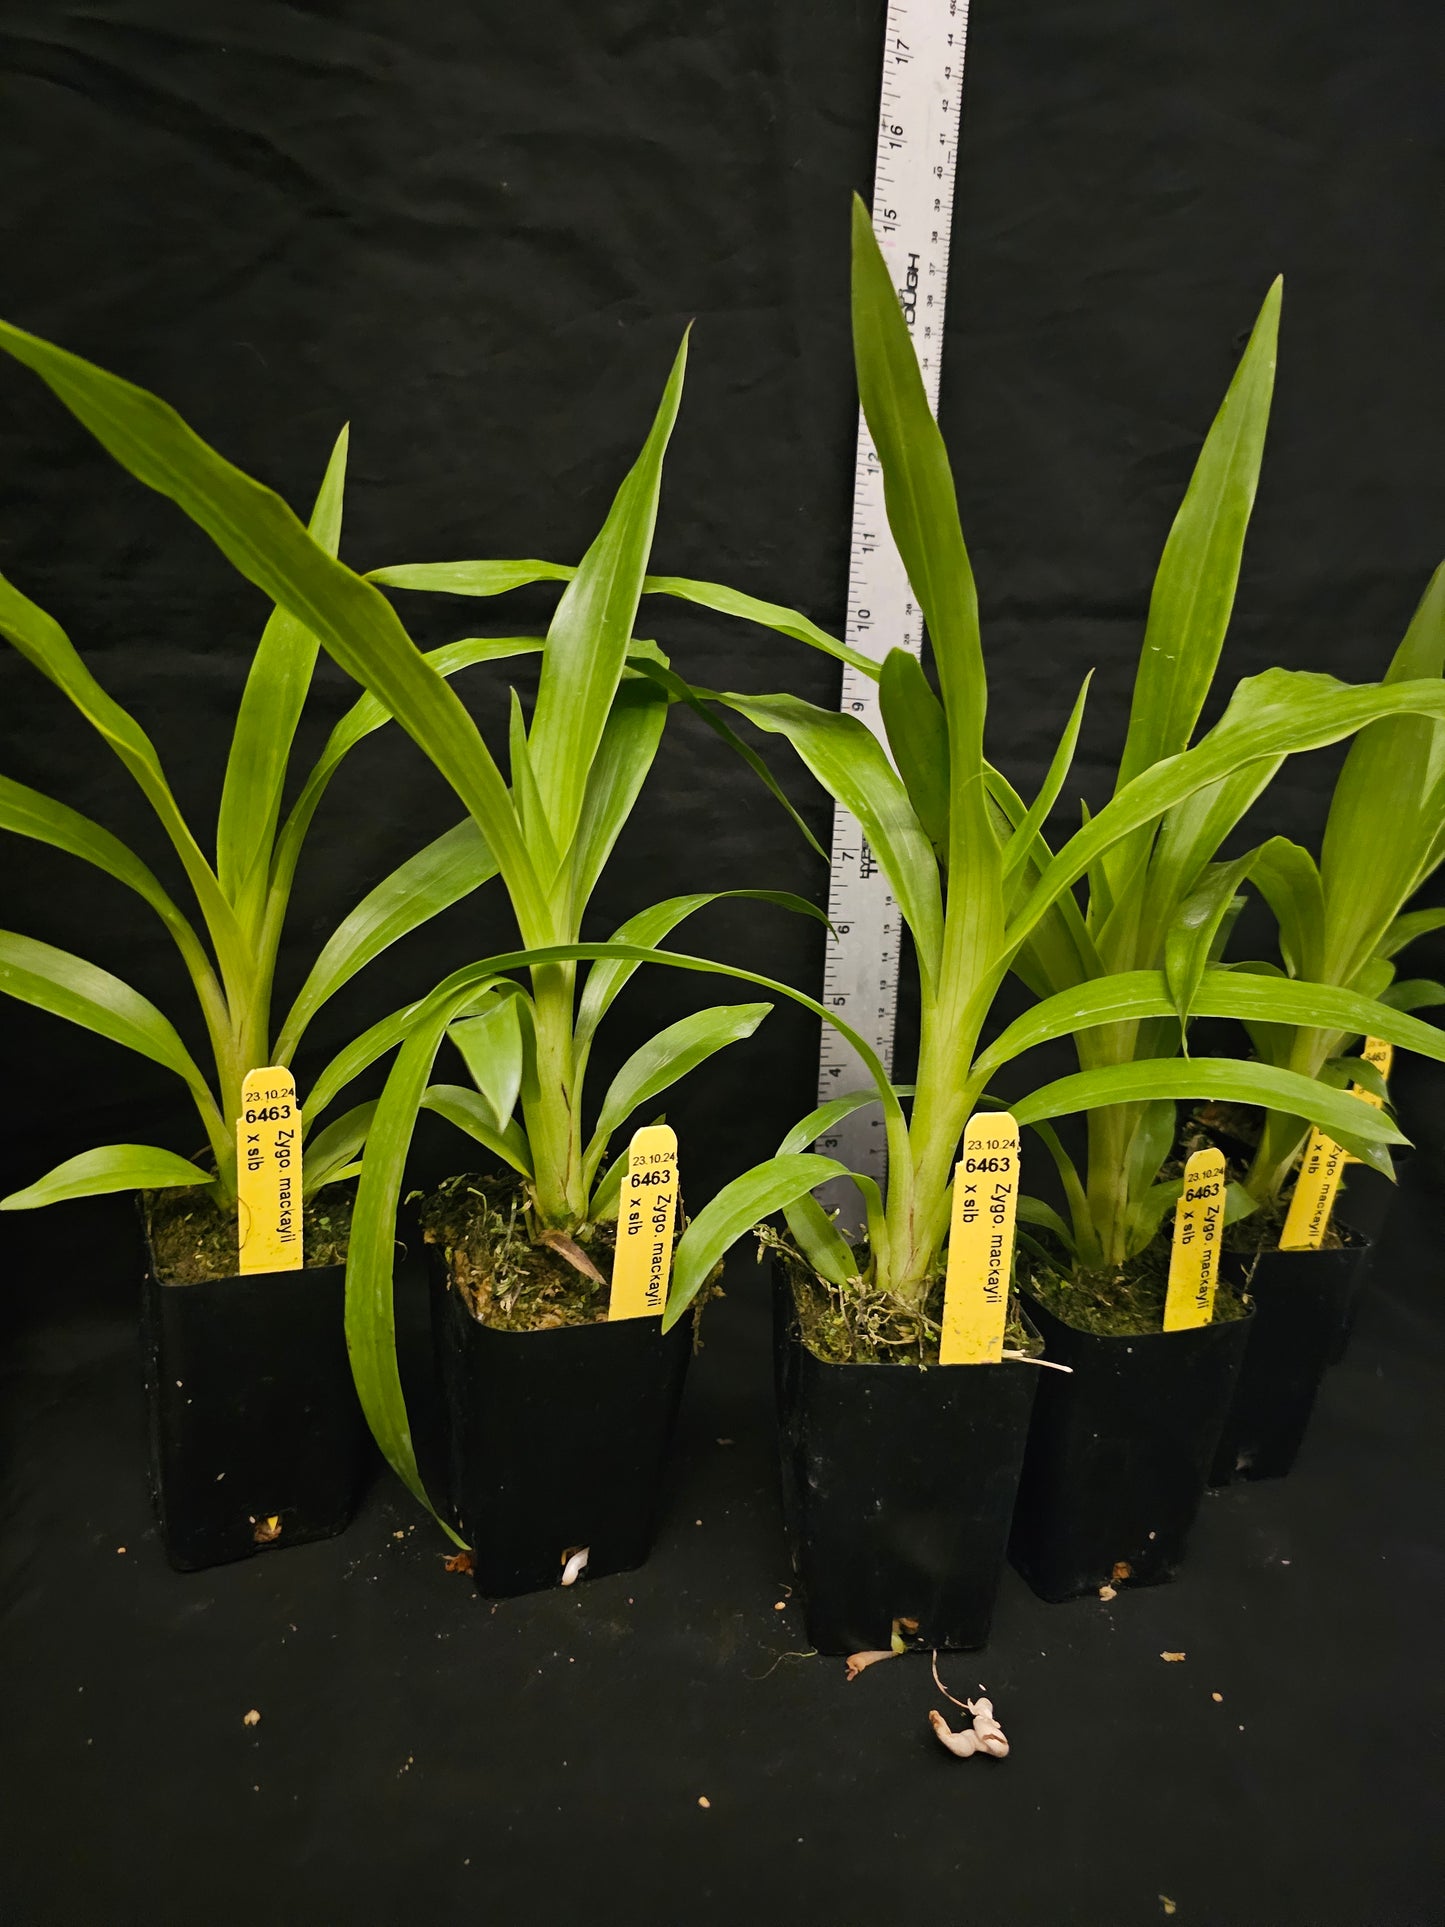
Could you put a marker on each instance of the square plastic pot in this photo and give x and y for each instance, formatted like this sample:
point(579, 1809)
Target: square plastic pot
point(257, 1441)
point(1119, 1452)
point(898, 1486)
point(556, 1440)
point(1303, 1302)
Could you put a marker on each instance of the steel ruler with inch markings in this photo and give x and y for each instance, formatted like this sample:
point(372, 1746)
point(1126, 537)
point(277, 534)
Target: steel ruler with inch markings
point(913, 179)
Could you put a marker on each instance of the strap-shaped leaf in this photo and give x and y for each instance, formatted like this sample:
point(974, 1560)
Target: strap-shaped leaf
point(921, 502)
point(42, 641)
point(271, 705)
point(588, 636)
point(1405, 929)
point(850, 763)
point(370, 1308)
point(1134, 995)
point(1192, 942)
point(366, 715)
point(67, 986)
point(1414, 993)
point(918, 737)
point(419, 889)
point(1193, 593)
point(1286, 877)
point(820, 1241)
point(112, 1167)
point(1384, 816)
point(29, 813)
point(624, 756)
point(768, 1187)
point(1219, 1079)
point(471, 1112)
point(650, 926)
point(492, 578)
point(491, 1048)
point(331, 1154)
point(1022, 843)
point(659, 1063)
point(258, 533)
point(1281, 712)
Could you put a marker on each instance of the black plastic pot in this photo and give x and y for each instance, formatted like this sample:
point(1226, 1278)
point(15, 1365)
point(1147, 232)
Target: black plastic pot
point(898, 1484)
point(1119, 1452)
point(1303, 1301)
point(555, 1439)
point(256, 1437)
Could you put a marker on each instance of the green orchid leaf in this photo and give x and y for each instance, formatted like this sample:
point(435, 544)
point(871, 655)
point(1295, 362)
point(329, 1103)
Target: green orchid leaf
point(768, 1187)
point(471, 1112)
point(918, 737)
point(662, 1060)
point(330, 1155)
point(587, 641)
point(275, 694)
point(1193, 594)
point(491, 1048)
point(421, 888)
point(113, 1167)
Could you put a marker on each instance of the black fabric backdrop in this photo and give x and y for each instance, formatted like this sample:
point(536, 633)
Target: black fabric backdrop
point(476, 232)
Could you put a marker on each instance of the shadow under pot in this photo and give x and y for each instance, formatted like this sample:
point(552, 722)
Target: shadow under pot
point(898, 1484)
point(556, 1440)
point(1119, 1452)
point(256, 1436)
point(1303, 1302)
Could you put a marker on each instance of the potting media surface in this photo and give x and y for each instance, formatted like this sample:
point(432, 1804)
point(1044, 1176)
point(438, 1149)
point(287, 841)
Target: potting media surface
point(348, 1731)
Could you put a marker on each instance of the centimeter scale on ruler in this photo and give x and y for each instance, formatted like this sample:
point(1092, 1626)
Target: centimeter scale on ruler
point(912, 217)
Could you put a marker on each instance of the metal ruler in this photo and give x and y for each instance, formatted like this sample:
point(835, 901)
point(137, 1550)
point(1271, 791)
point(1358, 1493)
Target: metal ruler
point(913, 179)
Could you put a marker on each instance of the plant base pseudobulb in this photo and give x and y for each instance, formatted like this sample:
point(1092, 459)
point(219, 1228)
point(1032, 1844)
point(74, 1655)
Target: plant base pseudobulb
point(898, 1485)
point(1119, 1452)
point(556, 1439)
point(1303, 1302)
point(256, 1437)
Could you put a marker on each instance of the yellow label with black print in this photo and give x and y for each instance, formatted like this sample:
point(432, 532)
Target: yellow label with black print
point(268, 1172)
point(1198, 1229)
point(981, 1241)
point(646, 1219)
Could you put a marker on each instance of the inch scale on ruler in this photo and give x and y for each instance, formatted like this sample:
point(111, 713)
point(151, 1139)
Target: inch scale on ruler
point(913, 179)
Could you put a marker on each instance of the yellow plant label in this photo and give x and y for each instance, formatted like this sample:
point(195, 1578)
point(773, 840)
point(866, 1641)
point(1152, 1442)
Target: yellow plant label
point(1198, 1226)
point(1382, 1056)
point(268, 1172)
point(1314, 1194)
point(646, 1216)
point(981, 1241)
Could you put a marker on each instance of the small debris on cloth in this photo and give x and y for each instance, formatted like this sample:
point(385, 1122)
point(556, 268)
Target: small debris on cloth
point(574, 1564)
point(1218, 1698)
point(780, 1605)
point(1167, 1904)
point(1108, 1592)
point(120, 1549)
point(1122, 1568)
point(860, 1662)
point(457, 1561)
point(1174, 1656)
point(703, 1800)
point(253, 1718)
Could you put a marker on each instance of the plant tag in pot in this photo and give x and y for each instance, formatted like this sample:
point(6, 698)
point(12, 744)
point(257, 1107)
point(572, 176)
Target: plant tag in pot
point(1194, 1261)
point(646, 1215)
point(268, 1172)
point(981, 1241)
point(1382, 1056)
point(1314, 1194)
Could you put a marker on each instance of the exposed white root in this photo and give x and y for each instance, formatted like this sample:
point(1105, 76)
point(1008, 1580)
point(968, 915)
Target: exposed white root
point(985, 1736)
point(574, 1564)
point(860, 1662)
point(962, 1743)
